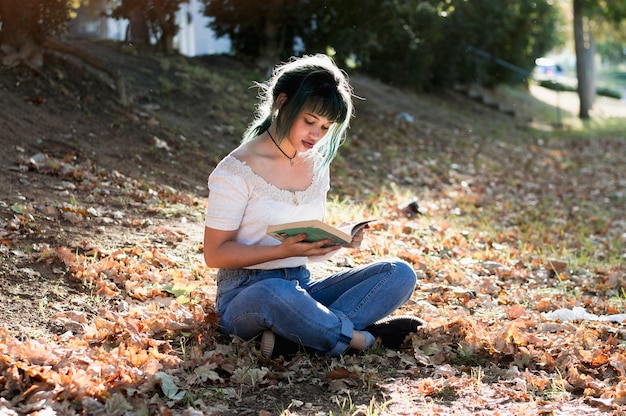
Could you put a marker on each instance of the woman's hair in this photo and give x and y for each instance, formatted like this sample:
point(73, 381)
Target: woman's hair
point(311, 83)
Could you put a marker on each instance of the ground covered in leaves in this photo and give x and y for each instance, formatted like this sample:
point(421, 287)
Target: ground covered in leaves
point(106, 308)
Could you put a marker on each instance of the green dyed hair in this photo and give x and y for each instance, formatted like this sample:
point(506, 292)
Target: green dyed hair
point(311, 83)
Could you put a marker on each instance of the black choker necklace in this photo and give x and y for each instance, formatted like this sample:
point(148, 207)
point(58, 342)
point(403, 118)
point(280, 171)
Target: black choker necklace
point(281, 150)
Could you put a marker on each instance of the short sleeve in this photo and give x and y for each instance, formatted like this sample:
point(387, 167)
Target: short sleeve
point(228, 198)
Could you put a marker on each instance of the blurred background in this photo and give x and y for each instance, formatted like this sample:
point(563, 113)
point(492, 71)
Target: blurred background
point(425, 45)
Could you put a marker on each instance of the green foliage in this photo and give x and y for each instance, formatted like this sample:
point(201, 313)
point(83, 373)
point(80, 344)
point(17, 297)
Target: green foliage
point(424, 44)
point(419, 44)
point(408, 40)
point(557, 86)
point(611, 49)
point(515, 32)
point(253, 25)
point(612, 10)
point(609, 92)
point(608, 33)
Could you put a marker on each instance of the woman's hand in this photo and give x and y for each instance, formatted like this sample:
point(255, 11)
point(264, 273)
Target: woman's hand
point(357, 239)
point(297, 247)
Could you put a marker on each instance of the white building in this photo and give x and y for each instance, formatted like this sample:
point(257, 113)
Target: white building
point(194, 37)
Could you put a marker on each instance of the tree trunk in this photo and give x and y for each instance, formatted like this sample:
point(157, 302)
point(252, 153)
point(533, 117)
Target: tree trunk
point(585, 69)
point(18, 42)
point(138, 27)
point(168, 26)
point(270, 49)
point(167, 41)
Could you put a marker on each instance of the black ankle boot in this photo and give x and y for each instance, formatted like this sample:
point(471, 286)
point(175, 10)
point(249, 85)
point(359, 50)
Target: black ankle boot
point(392, 331)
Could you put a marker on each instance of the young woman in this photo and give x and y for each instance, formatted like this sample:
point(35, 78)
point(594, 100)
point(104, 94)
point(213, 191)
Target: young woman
point(279, 174)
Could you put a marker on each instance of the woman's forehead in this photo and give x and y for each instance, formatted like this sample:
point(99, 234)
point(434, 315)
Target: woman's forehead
point(317, 116)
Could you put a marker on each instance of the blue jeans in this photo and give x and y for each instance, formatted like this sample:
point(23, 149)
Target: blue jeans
point(319, 314)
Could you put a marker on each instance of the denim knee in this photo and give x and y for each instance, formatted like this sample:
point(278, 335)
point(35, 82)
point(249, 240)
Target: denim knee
point(405, 275)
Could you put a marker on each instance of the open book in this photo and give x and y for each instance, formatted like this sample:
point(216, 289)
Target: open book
point(317, 230)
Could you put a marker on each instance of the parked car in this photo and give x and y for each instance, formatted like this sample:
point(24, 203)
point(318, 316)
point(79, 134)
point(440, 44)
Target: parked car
point(547, 69)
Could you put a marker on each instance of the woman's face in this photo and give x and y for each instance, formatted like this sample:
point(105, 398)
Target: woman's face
point(307, 130)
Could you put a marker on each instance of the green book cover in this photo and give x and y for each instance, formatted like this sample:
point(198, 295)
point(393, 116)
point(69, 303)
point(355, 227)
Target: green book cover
point(316, 230)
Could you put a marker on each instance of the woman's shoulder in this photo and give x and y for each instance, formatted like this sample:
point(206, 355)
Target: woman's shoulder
point(243, 151)
point(229, 167)
point(242, 154)
point(228, 163)
point(238, 164)
point(254, 153)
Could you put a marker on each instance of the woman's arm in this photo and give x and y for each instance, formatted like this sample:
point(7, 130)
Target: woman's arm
point(221, 250)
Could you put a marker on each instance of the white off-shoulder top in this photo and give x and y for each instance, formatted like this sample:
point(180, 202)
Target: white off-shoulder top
point(241, 200)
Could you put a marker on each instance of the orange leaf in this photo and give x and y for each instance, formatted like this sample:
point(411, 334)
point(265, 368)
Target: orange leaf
point(104, 290)
point(339, 373)
point(66, 255)
point(516, 311)
point(544, 305)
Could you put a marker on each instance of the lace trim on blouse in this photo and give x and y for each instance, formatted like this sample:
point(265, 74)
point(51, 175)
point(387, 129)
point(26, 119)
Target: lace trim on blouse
point(261, 186)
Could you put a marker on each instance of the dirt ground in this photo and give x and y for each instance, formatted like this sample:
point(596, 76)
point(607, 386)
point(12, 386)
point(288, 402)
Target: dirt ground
point(69, 144)
point(68, 115)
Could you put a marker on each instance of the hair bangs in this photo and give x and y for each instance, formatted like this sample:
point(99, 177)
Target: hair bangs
point(330, 106)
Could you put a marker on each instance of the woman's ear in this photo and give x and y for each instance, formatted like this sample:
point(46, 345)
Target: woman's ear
point(282, 98)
